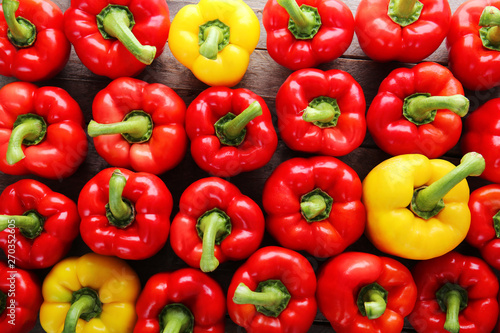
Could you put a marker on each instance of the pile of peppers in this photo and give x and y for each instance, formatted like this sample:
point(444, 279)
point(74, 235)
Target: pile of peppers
point(294, 245)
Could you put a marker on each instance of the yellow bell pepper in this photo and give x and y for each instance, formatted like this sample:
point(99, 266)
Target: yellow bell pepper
point(90, 294)
point(214, 39)
point(418, 208)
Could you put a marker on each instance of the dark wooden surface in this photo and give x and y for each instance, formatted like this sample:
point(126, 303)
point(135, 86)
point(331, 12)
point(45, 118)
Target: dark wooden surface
point(263, 77)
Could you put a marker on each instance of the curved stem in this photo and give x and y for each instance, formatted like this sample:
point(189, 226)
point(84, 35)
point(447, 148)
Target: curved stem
point(375, 304)
point(30, 224)
point(211, 225)
point(210, 47)
point(31, 129)
point(233, 128)
point(491, 18)
point(324, 112)
point(116, 23)
point(83, 305)
point(135, 127)
point(426, 200)
point(418, 108)
point(313, 207)
point(21, 32)
point(270, 298)
point(496, 224)
point(119, 208)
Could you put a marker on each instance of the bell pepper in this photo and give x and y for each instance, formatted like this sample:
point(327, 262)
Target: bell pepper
point(91, 293)
point(321, 112)
point(41, 131)
point(125, 214)
point(306, 33)
point(473, 44)
point(214, 40)
point(231, 131)
point(20, 298)
point(215, 223)
point(32, 39)
point(38, 225)
point(417, 111)
point(273, 291)
point(484, 231)
point(117, 38)
point(401, 30)
point(363, 292)
point(185, 300)
point(455, 293)
point(417, 208)
point(314, 204)
point(139, 126)
point(480, 134)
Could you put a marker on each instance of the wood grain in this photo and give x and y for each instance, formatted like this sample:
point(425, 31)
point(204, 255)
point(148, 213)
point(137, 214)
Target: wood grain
point(263, 77)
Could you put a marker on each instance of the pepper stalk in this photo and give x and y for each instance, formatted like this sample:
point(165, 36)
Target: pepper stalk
point(490, 31)
point(30, 224)
point(230, 129)
point(119, 211)
point(212, 227)
point(270, 297)
point(421, 108)
point(29, 129)
point(404, 12)
point(305, 21)
point(21, 32)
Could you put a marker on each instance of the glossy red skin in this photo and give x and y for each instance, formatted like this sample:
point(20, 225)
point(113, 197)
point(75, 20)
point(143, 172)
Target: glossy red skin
point(65, 145)
point(474, 65)
point(332, 40)
point(295, 94)
point(108, 57)
point(60, 226)
point(50, 52)
point(26, 294)
point(396, 135)
point(341, 278)
point(295, 272)
point(384, 40)
point(298, 176)
point(146, 235)
point(247, 221)
point(168, 143)
point(201, 294)
point(472, 274)
point(254, 152)
point(481, 132)
point(484, 203)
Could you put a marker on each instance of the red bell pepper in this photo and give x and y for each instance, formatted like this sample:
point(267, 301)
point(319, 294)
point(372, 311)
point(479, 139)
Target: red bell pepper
point(41, 131)
point(484, 231)
point(401, 30)
point(273, 291)
point(139, 126)
point(314, 204)
point(481, 132)
point(38, 225)
point(32, 40)
point(321, 112)
point(417, 111)
point(231, 131)
point(215, 223)
point(125, 214)
point(362, 292)
point(306, 33)
point(185, 300)
point(20, 299)
point(455, 293)
point(117, 38)
point(473, 43)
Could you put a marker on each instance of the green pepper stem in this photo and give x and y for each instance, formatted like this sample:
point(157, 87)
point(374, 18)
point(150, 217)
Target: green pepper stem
point(177, 320)
point(22, 32)
point(30, 129)
point(313, 207)
point(137, 126)
point(472, 164)
point(84, 304)
point(404, 8)
point(118, 207)
point(490, 17)
point(269, 297)
point(496, 224)
point(374, 304)
point(29, 224)
point(233, 128)
point(210, 47)
point(324, 112)
point(303, 20)
point(211, 225)
point(420, 107)
point(452, 300)
point(117, 24)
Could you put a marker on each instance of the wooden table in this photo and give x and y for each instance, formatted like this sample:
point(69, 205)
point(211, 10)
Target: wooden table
point(263, 77)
